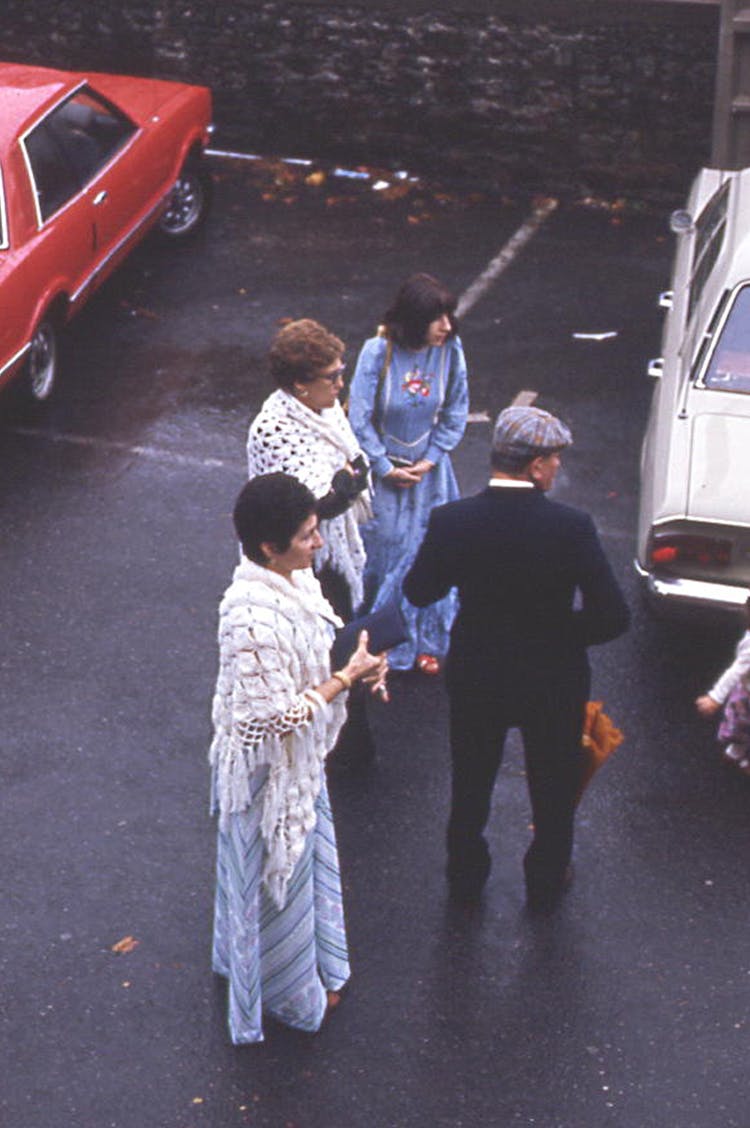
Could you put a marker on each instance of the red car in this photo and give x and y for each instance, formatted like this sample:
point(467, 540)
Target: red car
point(89, 163)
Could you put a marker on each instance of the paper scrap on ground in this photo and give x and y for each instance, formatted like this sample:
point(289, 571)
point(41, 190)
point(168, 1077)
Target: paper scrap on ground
point(595, 336)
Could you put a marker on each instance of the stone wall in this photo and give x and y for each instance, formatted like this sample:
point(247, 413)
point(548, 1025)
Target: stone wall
point(583, 95)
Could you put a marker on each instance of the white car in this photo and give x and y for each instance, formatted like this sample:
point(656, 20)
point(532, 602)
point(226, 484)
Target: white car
point(694, 518)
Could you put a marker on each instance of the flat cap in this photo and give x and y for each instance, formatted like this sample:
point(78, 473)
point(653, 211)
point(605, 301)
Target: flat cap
point(524, 433)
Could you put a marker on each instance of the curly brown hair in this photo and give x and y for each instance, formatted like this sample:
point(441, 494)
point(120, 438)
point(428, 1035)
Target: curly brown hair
point(301, 351)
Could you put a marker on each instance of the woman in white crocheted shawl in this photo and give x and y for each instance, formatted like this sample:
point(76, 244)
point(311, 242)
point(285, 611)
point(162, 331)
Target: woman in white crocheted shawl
point(278, 921)
point(302, 430)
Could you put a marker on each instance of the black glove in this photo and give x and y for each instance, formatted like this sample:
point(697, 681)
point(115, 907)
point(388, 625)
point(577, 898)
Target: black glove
point(345, 487)
point(361, 473)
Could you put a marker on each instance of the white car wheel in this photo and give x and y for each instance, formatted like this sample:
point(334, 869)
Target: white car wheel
point(42, 361)
point(188, 204)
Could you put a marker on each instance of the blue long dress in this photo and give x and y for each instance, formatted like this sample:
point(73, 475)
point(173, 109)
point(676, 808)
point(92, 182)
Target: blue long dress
point(278, 961)
point(420, 412)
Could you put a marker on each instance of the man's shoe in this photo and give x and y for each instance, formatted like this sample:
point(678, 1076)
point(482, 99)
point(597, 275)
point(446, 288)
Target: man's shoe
point(546, 900)
point(465, 893)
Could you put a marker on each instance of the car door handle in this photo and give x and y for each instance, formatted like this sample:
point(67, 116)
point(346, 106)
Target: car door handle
point(656, 367)
point(99, 198)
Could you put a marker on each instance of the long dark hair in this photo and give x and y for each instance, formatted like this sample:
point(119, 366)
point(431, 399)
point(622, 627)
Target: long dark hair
point(421, 300)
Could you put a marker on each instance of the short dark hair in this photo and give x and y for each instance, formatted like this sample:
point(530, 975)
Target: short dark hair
point(301, 350)
point(271, 508)
point(516, 463)
point(420, 300)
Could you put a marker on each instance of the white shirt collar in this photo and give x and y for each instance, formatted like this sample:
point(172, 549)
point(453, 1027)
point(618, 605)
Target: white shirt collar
point(510, 484)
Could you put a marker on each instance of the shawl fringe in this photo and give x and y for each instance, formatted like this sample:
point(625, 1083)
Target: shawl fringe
point(297, 629)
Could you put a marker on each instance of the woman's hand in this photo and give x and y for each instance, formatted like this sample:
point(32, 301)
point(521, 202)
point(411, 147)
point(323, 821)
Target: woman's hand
point(402, 477)
point(406, 476)
point(706, 705)
point(372, 669)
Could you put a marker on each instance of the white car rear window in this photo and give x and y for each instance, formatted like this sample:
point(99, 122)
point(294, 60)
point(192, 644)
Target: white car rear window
point(729, 367)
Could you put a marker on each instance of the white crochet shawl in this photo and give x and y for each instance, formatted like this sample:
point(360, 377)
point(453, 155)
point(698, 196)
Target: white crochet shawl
point(286, 435)
point(274, 643)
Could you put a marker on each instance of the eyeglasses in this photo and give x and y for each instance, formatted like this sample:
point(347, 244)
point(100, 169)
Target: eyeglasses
point(332, 377)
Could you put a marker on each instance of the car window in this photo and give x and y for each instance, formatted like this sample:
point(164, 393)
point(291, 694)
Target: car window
point(709, 333)
point(54, 181)
point(89, 132)
point(71, 145)
point(710, 228)
point(729, 366)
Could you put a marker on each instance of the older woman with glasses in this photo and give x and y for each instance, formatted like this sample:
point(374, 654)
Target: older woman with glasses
point(302, 430)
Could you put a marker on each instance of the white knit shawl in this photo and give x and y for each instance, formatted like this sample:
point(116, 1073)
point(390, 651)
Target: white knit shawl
point(286, 435)
point(274, 642)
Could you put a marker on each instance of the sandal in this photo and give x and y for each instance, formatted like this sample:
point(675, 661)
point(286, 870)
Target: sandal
point(428, 664)
point(733, 753)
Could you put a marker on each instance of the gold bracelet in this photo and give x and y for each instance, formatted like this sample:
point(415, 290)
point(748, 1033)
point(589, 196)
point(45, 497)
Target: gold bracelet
point(345, 680)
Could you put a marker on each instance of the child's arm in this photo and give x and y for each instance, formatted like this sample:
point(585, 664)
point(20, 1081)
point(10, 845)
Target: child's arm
point(706, 705)
point(709, 703)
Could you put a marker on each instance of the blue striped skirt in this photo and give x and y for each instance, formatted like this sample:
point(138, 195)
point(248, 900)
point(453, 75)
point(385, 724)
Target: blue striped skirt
point(279, 962)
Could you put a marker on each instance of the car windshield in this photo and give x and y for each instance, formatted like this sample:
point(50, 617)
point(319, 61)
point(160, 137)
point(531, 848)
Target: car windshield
point(729, 367)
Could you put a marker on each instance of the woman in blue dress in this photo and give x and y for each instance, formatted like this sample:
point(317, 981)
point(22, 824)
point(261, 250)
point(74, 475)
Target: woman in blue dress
point(408, 404)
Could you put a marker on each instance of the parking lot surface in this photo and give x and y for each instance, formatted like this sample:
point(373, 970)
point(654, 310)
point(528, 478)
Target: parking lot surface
point(629, 1007)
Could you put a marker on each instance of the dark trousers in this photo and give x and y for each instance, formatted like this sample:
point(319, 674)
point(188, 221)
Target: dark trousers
point(355, 745)
point(550, 726)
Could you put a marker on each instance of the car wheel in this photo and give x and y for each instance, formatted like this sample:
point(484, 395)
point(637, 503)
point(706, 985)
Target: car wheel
point(189, 203)
point(42, 363)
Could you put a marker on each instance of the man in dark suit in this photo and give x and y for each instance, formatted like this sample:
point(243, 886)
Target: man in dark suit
point(535, 590)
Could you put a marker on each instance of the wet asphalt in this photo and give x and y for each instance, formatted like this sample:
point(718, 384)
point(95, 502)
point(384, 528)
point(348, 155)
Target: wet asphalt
point(628, 1008)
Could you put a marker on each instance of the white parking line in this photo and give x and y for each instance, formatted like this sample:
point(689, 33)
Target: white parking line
point(505, 257)
point(154, 453)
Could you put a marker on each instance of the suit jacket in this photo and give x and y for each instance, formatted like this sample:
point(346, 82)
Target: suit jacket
point(535, 590)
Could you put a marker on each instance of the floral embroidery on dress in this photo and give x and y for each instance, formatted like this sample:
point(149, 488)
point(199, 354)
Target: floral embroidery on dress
point(417, 383)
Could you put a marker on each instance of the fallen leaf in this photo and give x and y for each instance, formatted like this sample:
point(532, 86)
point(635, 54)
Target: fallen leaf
point(127, 944)
point(396, 191)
